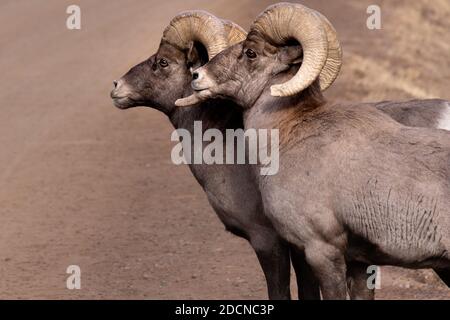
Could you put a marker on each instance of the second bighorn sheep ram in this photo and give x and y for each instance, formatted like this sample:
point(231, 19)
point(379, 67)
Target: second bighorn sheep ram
point(354, 185)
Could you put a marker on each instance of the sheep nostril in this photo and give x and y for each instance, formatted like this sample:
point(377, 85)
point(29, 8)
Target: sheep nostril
point(195, 75)
point(115, 83)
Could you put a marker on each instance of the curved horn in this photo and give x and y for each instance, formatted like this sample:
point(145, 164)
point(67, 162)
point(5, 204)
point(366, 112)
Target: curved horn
point(333, 64)
point(284, 21)
point(235, 32)
point(196, 25)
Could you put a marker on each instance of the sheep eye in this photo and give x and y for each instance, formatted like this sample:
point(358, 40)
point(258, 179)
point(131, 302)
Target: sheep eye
point(250, 54)
point(163, 63)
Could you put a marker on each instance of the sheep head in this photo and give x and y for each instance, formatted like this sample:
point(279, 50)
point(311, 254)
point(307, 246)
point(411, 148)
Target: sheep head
point(285, 39)
point(189, 41)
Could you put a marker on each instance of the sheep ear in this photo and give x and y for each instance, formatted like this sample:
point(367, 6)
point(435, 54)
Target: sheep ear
point(291, 55)
point(193, 57)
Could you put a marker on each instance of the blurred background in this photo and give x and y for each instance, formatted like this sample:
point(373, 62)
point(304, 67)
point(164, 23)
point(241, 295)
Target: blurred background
point(84, 183)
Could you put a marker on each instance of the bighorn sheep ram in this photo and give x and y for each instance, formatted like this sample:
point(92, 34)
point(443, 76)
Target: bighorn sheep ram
point(189, 41)
point(354, 185)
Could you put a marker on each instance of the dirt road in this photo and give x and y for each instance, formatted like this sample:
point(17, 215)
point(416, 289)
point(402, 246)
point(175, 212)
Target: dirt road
point(83, 183)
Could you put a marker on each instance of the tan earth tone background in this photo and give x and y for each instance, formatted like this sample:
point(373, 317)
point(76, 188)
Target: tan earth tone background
point(84, 183)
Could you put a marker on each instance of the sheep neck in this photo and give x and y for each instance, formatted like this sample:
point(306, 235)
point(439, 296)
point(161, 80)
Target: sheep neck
point(283, 113)
point(217, 114)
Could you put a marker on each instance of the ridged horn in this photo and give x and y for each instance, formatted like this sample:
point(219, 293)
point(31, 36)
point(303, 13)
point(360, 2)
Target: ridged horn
point(284, 21)
point(235, 32)
point(333, 64)
point(196, 25)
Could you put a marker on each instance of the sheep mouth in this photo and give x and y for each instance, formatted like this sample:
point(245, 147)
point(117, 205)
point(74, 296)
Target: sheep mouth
point(198, 86)
point(123, 102)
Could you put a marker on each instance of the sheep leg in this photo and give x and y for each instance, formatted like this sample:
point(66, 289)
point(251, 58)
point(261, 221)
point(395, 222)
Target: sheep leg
point(444, 274)
point(328, 264)
point(307, 283)
point(273, 256)
point(357, 282)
